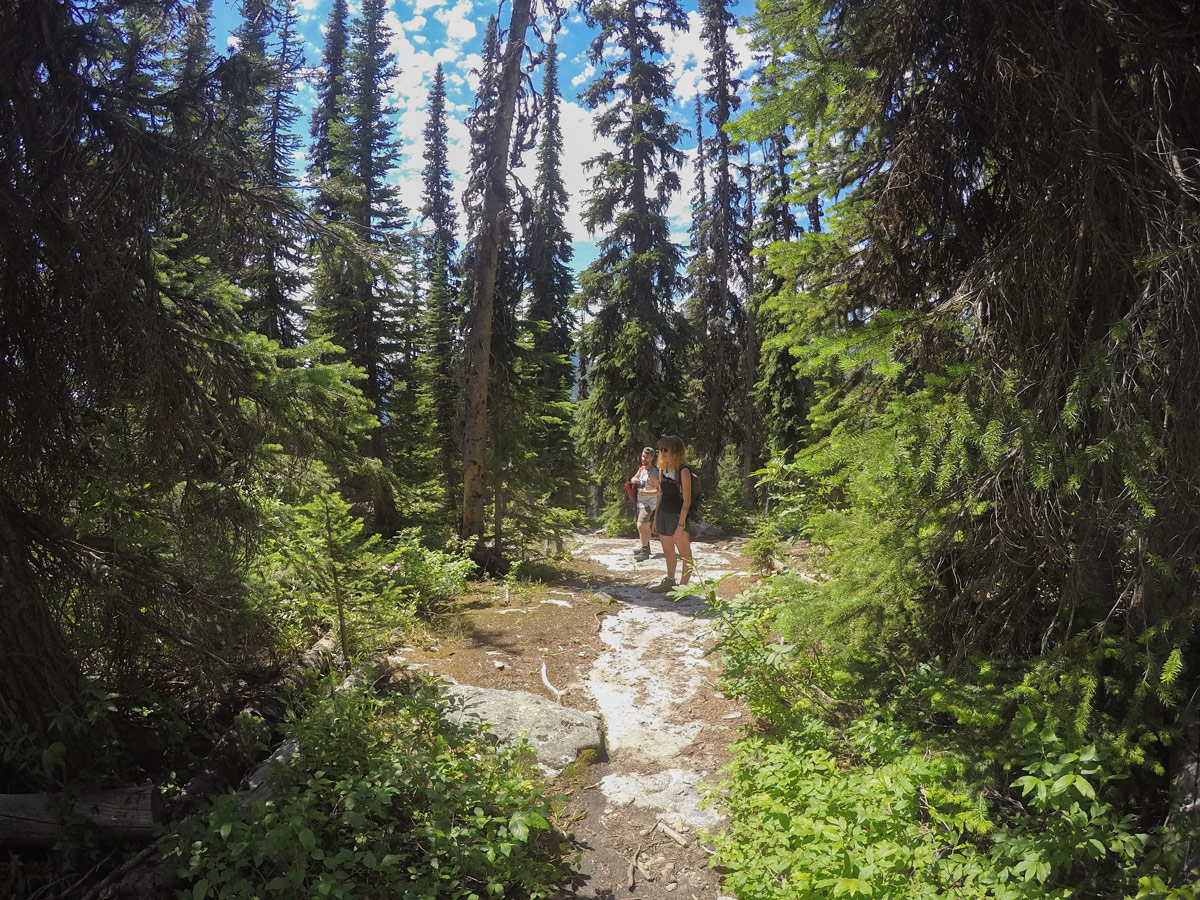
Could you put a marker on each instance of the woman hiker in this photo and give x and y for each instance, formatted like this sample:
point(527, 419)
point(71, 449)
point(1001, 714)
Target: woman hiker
point(674, 483)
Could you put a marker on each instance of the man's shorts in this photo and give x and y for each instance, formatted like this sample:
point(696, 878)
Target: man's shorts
point(645, 511)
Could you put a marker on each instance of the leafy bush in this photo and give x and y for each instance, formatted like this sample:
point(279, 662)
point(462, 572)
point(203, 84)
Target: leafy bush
point(875, 782)
point(762, 548)
point(617, 520)
point(807, 825)
point(380, 801)
point(318, 558)
point(873, 810)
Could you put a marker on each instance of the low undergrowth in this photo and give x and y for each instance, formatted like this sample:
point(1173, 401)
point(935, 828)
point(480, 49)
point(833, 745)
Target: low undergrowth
point(398, 799)
point(865, 780)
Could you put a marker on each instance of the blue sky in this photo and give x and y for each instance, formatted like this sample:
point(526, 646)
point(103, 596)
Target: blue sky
point(426, 32)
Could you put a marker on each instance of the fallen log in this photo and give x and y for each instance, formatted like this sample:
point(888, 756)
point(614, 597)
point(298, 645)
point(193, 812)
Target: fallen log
point(39, 820)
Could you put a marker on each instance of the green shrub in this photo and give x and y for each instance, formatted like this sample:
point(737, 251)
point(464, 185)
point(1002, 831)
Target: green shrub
point(617, 520)
point(807, 825)
point(762, 547)
point(318, 555)
point(879, 790)
point(873, 810)
point(381, 801)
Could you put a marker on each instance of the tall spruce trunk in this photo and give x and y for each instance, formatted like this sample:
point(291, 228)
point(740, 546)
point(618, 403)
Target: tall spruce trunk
point(40, 679)
point(751, 426)
point(479, 338)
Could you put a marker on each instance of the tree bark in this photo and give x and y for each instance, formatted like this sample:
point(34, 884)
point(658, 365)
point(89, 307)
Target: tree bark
point(39, 820)
point(751, 426)
point(39, 677)
point(479, 338)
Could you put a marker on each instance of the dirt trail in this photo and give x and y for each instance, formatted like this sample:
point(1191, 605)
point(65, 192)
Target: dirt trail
point(638, 660)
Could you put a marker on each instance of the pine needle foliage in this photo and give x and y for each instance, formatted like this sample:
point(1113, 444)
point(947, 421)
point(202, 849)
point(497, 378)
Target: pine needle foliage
point(632, 343)
point(1002, 318)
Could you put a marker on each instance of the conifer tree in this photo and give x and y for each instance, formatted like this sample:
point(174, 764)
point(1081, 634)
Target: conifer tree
point(750, 416)
point(717, 309)
point(139, 414)
point(1009, 290)
point(517, 482)
point(357, 286)
point(413, 449)
point(551, 284)
point(192, 67)
point(493, 176)
point(783, 393)
point(441, 322)
point(510, 386)
point(272, 271)
point(331, 94)
point(437, 207)
point(632, 344)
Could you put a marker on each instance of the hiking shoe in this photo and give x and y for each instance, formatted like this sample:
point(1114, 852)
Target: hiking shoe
point(663, 586)
point(642, 554)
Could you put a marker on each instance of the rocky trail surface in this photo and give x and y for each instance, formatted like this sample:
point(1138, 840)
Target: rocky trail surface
point(598, 670)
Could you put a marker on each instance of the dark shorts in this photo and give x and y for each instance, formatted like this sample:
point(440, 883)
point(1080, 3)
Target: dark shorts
point(667, 523)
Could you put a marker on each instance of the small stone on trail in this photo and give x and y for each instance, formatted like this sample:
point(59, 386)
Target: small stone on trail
point(732, 715)
point(499, 664)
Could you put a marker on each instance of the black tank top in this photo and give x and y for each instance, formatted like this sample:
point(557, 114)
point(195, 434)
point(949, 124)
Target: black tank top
point(671, 491)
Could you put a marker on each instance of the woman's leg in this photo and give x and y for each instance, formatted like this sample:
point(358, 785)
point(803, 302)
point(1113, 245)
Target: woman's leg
point(668, 545)
point(683, 545)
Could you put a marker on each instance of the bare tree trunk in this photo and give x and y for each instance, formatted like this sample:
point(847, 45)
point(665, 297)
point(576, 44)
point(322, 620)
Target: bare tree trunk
point(39, 677)
point(497, 487)
point(751, 443)
point(479, 338)
point(751, 426)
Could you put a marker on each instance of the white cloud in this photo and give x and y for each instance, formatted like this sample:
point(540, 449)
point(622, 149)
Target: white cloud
point(306, 8)
point(687, 55)
point(579, 145)
point(469, 67)
point(585, 75)
point(460, 27)
point(421, 5)
point(679, 212)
